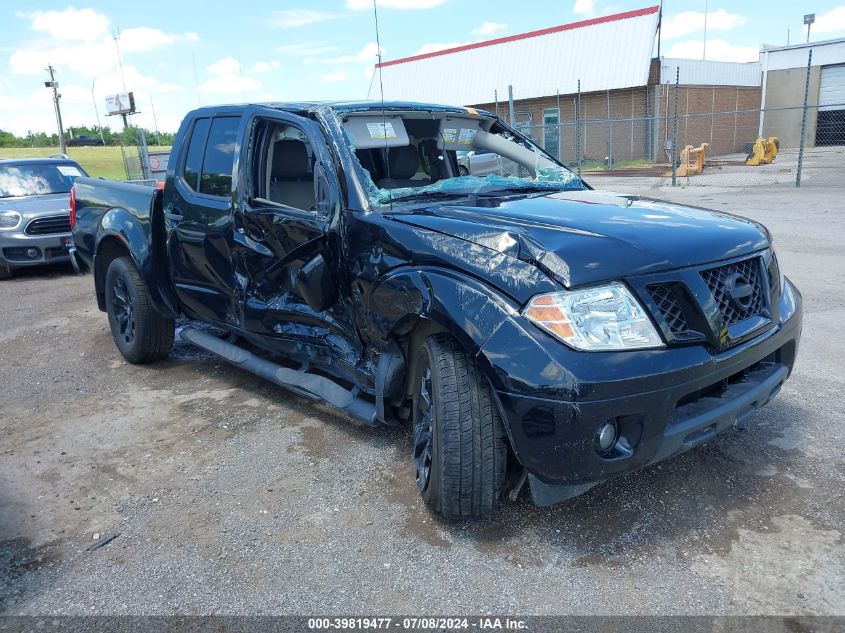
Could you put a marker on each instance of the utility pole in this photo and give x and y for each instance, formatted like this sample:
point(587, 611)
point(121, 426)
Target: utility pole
point(56, 96)
point(704, 51)
point(659, 28)
point(511, 116)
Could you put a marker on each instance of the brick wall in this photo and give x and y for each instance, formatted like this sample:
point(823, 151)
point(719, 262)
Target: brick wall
point(620, 122)
point(726, 117)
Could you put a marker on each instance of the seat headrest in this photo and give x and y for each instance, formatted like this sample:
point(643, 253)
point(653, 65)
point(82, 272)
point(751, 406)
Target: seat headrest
point(290, 159)
point(404, 161)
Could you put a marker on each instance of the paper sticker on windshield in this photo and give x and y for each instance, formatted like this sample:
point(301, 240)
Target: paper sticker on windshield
point(467, 135)
point(68, 170)
point(381, 129)
point(449, 134)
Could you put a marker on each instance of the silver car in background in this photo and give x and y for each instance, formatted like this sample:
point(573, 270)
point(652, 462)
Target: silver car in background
point(35, 211)
point(483, 163)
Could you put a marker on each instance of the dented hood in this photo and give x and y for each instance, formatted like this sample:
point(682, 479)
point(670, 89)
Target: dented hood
point(582, 237)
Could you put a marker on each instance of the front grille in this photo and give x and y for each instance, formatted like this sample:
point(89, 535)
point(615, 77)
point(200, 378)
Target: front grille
point(718, 281)
point(669, 307)
point(54, 224)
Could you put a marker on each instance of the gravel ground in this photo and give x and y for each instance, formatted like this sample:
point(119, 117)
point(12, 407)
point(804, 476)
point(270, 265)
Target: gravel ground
point(233, 496)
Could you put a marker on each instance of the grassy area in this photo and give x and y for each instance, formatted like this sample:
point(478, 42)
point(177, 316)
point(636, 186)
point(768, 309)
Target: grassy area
point(592, 165)
point(97, 161)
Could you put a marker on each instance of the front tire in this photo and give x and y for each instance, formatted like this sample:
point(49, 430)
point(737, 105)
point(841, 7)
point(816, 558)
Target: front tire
point(460, 447)
point(5, 272)
point(140, 333)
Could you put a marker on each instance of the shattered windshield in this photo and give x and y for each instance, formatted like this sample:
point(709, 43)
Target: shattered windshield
point(407, 155)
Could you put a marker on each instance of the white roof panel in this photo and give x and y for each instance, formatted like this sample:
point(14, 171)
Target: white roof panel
point(604, 53)
point(795, 56)
point(697, 72)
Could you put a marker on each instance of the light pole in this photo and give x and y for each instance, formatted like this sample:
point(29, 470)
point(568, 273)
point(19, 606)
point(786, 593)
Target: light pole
point(155, 121)
point(56, 96)
point(97, 112)
point(122, 78)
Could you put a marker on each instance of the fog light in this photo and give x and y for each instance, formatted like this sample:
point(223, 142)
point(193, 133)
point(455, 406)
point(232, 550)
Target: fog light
point(32, 252)
point(606, 436)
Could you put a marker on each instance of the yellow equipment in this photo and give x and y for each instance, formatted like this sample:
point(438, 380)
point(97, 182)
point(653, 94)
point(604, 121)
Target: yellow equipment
point(763, 152)
point(687, 167)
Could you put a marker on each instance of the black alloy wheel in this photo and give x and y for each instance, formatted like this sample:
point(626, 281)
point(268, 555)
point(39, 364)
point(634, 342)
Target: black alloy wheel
point(124, 312)
point(141, 334)
point(423, 431)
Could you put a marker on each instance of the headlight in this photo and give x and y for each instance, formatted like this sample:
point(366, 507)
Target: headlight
point(601, 318)
point(9, 220)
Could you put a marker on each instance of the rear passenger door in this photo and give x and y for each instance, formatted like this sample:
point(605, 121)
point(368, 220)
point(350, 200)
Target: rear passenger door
point(198, 213)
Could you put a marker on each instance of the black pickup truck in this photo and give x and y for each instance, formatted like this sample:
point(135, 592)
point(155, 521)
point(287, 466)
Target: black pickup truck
point(525, 325)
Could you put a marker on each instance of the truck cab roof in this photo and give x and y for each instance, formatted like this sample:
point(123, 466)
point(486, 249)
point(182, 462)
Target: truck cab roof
point(338, 106)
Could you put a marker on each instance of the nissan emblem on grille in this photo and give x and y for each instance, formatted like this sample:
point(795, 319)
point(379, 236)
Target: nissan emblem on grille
point(739, 291)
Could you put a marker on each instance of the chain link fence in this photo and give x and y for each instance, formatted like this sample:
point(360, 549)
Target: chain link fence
point(136, 160)
point(800, 146)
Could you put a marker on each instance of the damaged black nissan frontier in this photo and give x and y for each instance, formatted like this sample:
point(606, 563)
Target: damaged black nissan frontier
point(525, 325)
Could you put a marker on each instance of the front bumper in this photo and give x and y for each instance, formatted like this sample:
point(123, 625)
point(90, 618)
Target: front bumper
point(663, 402)
point(14, 249)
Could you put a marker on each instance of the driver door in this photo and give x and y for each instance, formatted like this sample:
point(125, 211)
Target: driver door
point(286, 242)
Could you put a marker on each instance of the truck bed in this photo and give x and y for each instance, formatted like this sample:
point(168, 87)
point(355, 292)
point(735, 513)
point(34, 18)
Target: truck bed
point(99, 200)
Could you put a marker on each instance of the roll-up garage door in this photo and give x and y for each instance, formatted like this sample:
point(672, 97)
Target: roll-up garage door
point(830, 129)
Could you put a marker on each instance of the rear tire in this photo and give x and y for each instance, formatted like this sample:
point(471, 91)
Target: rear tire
point(140, 333)
point(460, 446)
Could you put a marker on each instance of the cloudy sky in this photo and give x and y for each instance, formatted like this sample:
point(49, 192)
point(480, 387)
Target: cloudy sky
point(177, 55)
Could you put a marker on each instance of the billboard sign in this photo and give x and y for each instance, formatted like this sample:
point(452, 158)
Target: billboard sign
point(121, 103)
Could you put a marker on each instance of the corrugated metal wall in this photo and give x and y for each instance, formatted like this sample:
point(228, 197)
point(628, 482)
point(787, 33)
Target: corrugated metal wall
point(697, 72)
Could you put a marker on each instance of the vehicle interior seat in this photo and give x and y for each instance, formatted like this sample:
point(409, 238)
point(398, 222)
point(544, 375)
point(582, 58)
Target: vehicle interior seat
point(291, 180)
point(435, 157)
point(404, 161)
point(365, 157)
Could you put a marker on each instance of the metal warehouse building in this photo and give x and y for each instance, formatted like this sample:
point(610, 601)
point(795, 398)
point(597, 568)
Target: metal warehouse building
point(784, 82)
point(621, 85)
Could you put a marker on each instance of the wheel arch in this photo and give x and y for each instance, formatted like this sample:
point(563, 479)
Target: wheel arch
point(410, 305)
point(109, 247)
point(122, 233)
